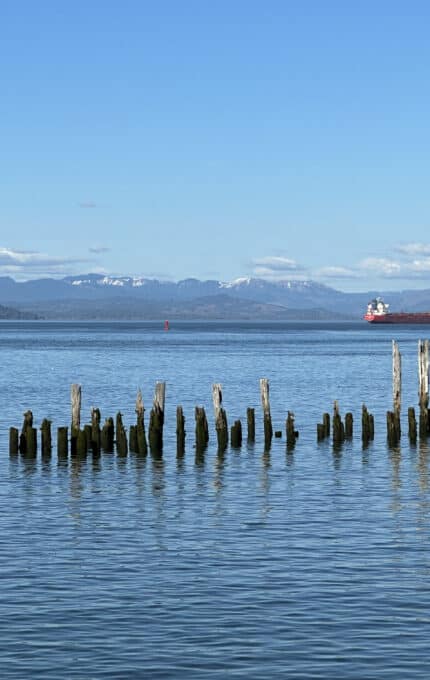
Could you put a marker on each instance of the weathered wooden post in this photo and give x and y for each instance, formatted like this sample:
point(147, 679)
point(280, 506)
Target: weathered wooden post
point(121, 436)
point(220, 417)
point(397, 387)
point(349, 420)
point(156, 420)
point(46, 437)
point(76, 397)
point(423, 373)
point(88, 435)
point(81, 444)
point(142, 446)
point(236, 435)
point(367, 426)
point(391, 430)
point(28, 437)
point(62, 442)
point(292, 434)
point(202, 430)
point(132, 438)
point(13, 441)
point(268, 430)
point(95, 431)
point(371, 427)
point(338, 427)
point(180, 432)
point(412, 425)
point(107, 436)
point(250, 420)
point(326, 423)
point(320, 432)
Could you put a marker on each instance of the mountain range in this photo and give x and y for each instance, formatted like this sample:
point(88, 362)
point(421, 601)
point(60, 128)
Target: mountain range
point(95, 296)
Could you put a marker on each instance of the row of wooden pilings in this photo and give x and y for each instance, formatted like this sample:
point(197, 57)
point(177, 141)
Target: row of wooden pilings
point(94, 437)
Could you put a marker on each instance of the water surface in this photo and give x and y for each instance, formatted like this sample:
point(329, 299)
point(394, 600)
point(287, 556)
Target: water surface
point(312, 564)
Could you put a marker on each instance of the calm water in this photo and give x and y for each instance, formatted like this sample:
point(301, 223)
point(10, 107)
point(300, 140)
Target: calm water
point(314, 564)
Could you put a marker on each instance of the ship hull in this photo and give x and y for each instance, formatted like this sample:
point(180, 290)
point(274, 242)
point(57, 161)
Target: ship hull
point(419, 317)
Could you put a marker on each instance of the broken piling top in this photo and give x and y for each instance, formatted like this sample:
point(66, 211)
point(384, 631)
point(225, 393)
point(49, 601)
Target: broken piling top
point(139, 403)
point(76, 396)
point(397, 378)
point(264, 391)
point(217, 398)
point(159, 396)
point(423, 371)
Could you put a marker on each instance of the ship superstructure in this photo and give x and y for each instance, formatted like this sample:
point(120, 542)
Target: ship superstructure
point(378, 312)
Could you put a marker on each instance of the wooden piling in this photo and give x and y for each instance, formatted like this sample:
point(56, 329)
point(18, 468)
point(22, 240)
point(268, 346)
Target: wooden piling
point(202, 430)
point(76, 398)
point(132, 438)
point(412, 425)
point(250, 420)
point(156, 420)
point(121, 436)
point(180, 432)
point(349, 420)
point(338, 426)
point(236, 435)
point(391, 429)
point(326, 423)
point(320, 432)
point(13, 441)
point(107, 436)
point(95, 431)
point(81, 443)
point(62, 442)
point(26, 436)
point(46, 437)
point(268, 430)
point(397, 386)
point(221, 426)
point(367, 426)
point(371, 426)
point(423, 374)
point(291, 432)
point(87, 430)
point(142, 446)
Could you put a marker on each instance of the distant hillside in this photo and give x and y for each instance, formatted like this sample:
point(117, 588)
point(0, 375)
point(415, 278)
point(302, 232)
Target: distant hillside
point(209, 307)
point(93, 296)
point(9, 313)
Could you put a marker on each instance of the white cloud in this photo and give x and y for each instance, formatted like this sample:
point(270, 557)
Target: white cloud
point(381, 266)
point(332, 272)
point(28, 264)
point(413, 249)
point(277, 263)
point(276, 267)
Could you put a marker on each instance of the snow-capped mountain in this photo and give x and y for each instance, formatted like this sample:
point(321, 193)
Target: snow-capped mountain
point(105, 296)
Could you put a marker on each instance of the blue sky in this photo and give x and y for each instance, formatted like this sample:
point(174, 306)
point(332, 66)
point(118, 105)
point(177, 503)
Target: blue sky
point(217, 140)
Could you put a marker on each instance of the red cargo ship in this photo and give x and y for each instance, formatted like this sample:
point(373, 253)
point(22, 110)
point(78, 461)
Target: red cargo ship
point(377, 312)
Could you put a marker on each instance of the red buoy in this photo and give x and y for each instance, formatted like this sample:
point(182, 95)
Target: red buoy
point(166, 325)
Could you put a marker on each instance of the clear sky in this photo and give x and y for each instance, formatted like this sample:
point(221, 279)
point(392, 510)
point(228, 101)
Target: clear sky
point(283, 139)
